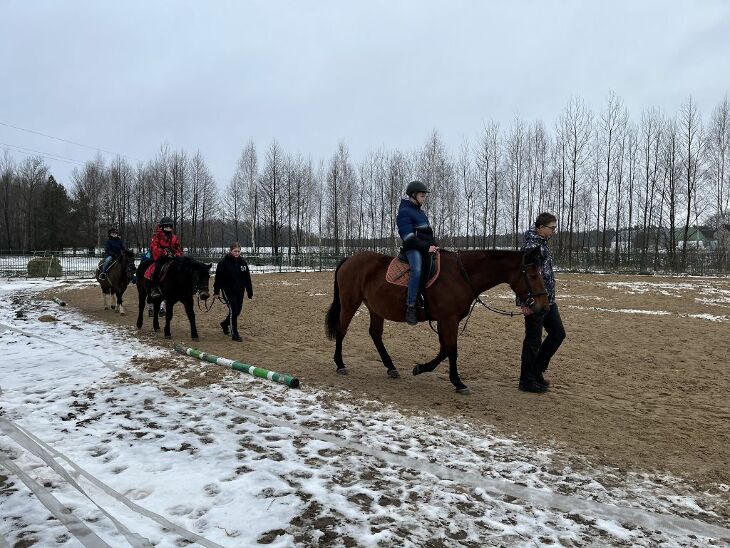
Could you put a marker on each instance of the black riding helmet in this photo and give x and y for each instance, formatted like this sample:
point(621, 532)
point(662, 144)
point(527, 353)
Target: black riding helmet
point(112, 229)
point(165, 221)
point(414, 187)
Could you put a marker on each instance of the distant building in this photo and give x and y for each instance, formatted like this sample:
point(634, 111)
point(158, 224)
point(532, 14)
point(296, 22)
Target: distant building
point(698, 237)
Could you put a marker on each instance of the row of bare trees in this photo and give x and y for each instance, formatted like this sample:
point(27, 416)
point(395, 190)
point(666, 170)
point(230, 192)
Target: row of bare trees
point(618, 185)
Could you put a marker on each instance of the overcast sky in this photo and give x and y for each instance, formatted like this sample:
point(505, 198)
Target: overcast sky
point(128, 76)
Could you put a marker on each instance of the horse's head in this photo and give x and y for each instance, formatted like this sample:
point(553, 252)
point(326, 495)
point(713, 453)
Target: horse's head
point(127, 261)
point(528, 284)
point(201, 279)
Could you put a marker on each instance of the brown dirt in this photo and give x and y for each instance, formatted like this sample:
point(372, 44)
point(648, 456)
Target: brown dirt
point(636, 391)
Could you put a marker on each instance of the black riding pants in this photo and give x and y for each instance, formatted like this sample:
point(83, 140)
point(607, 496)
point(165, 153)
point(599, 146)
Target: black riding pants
point(536, 352)
point(234, 299)
point(158, 270)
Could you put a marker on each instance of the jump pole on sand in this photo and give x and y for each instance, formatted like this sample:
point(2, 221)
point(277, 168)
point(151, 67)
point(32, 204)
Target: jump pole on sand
point(282, 378)
point(59, 301)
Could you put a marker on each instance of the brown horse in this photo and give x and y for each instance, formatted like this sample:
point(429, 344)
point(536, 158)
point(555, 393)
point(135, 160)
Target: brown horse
point(117, 279)
point(464, 275)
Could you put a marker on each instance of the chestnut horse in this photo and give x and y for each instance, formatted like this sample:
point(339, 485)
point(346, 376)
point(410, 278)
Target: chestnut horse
point(463, 276)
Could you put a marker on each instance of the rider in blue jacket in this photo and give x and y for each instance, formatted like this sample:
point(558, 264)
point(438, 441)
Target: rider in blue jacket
point(418, 240)
point(114, 246)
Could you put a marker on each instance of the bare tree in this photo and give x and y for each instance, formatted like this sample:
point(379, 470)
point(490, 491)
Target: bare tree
point(718, 160)
point(692, 144)
point(576, 121)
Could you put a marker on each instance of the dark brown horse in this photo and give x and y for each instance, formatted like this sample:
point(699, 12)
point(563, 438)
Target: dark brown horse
point(117, 279)
point(464, 275)
point(185, 278)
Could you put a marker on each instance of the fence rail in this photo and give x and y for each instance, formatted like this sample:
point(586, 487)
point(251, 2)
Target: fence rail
point(83, 265)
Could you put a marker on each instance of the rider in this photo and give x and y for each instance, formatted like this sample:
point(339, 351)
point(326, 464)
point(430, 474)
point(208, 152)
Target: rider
point(164, 246)
point(114, 246)
point(418, 240)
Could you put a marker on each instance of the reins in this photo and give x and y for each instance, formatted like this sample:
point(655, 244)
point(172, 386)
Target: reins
point(478, 299)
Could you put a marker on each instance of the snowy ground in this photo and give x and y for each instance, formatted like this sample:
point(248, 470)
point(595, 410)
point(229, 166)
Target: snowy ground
point(96, 449)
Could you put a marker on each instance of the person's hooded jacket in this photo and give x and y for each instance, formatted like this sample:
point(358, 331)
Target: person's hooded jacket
point(532, 240)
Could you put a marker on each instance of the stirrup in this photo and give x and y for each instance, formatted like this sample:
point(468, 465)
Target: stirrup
point(102, 276)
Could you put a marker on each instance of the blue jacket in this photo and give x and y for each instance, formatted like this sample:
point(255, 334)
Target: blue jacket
point(114, 246)
point(532, 240)
point(413, 227)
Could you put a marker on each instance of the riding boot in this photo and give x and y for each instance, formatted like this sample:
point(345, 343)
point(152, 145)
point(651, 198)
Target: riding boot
point(411, 316)
point(236, 337)
point(532, 386)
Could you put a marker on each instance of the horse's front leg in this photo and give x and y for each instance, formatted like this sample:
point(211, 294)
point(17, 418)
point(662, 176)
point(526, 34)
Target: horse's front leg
point(376, 333)
point(120, 308)
point(156, 316)
point(190, 311)
point(450, 332)
point(430, 366)
point(169, 305)
point(106, 305)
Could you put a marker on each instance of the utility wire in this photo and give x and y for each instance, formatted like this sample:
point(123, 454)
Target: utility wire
point(67, 141)
point(30, 151)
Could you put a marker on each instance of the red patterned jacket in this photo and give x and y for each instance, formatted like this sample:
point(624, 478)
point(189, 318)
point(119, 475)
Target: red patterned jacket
point(163, 245)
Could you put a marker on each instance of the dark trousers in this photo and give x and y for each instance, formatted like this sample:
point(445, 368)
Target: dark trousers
point(158, 270)
point(234, 299)
point(536, 353)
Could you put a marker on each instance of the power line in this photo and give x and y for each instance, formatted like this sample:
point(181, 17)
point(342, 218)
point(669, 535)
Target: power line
point(67, 141)
point(31, 152)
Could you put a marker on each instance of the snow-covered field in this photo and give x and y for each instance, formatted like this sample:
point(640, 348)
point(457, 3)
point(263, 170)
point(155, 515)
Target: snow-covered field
point(96, 450)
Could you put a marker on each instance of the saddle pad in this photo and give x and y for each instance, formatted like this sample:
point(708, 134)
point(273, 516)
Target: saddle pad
point(399, 273)
point(151, 270)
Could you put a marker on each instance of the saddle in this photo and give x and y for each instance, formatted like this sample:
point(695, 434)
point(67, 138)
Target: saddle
point(163, 273)
point(399, 271)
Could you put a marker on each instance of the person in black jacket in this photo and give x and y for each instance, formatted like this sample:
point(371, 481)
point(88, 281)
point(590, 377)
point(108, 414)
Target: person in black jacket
point(232, 278)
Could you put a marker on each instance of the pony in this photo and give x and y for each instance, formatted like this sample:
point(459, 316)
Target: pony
point(463, 277)
point(185, 277)
point(118, 276)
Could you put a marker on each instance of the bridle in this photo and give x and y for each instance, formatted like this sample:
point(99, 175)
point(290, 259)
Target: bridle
point(196, 292)
point(530, 297)
point(529, 300)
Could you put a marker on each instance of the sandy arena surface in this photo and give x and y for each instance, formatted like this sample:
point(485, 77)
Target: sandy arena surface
point(641, 382)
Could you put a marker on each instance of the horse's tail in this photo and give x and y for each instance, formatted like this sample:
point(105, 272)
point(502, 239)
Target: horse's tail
point(333, 314)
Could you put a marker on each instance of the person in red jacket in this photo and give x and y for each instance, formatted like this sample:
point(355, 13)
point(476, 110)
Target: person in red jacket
point(164, 246)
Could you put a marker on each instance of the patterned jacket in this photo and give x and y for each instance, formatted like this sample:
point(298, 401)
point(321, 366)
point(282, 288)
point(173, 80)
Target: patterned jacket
point(413, 227)
point(164, 245)
point(532, 240)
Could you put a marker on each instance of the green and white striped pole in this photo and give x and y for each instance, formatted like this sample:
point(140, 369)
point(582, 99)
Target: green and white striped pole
point(282, 378)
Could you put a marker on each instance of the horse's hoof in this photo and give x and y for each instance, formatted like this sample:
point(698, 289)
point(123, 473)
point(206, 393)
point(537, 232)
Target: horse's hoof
point(463, 391)
point(106, 308)
point(393, 374)
point(122, 313)
point(342, 371)
point(416, 370)
point(168, 336)
point(195, 338)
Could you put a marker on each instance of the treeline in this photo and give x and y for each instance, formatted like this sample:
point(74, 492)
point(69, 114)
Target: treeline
point(619, 186)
